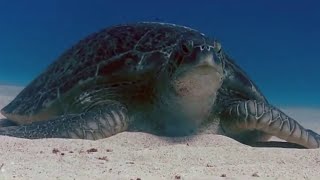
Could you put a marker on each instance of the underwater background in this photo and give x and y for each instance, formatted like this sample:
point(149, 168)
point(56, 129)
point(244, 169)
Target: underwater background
point(276, 42)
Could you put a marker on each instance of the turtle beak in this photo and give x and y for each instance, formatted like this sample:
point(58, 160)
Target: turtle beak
point(207, 60)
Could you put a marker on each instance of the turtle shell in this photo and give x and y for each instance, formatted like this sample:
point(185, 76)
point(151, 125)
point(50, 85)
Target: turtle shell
point(123, 50)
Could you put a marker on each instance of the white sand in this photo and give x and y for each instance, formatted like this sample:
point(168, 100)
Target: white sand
point(139, 155)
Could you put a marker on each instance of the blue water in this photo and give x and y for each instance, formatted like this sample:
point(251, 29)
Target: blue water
point(276, 42)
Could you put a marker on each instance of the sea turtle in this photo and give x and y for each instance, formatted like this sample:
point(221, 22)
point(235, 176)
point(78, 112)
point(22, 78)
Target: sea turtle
point(159, 78)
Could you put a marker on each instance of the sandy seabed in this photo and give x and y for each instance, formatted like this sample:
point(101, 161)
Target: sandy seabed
point(143, 156)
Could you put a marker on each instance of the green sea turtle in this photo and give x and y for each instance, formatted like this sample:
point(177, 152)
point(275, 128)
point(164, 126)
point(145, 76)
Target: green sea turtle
point(158, 78)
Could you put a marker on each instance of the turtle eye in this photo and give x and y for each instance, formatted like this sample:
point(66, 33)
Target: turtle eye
point(217, 46)
point(186, 47)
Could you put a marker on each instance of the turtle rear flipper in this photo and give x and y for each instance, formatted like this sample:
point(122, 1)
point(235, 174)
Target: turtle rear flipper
point(253, 115)
point(99, 122)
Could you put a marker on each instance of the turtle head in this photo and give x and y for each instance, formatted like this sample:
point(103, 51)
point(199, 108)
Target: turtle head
point(194, 82)
point(198, 74)
point(198, 66)
point(191, 56)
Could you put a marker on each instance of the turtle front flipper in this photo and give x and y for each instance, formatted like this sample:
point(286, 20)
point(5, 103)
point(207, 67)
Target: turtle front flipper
point(7, 122)
point(250, 115)
point(96, 123)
